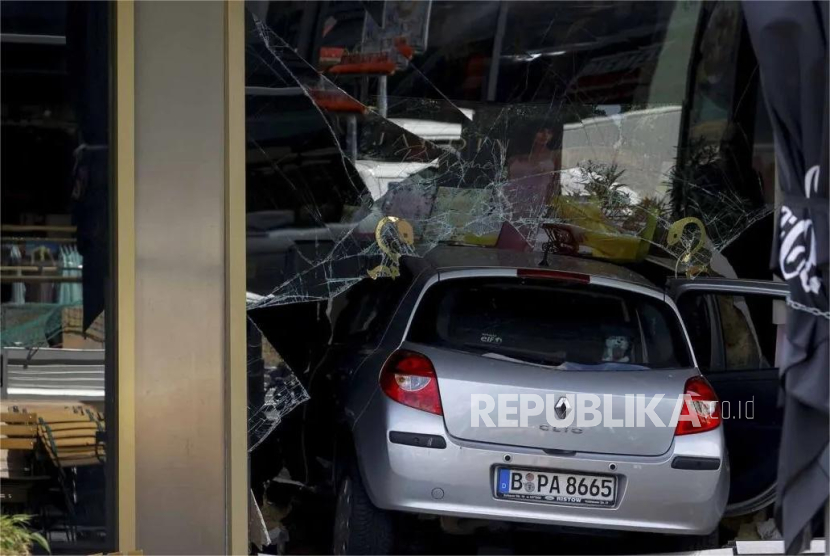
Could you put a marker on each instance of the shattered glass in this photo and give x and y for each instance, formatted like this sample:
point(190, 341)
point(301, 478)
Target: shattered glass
point(276, 392)
point(627, 132)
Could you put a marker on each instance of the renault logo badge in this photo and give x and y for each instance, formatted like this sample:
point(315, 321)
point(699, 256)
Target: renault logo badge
point(562, 407)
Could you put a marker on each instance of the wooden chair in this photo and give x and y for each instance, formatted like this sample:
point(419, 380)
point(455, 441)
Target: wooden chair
point(73, 436)
point(70, 437)
point(18, 458)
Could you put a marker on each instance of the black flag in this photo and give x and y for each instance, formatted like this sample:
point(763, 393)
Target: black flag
point(790, 42)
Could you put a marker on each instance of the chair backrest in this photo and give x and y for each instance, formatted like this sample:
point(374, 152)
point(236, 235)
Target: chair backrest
point(18, 440)
point(70, 436)
point(18, 431)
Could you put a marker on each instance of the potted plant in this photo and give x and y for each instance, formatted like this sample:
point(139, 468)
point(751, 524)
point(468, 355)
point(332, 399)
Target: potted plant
point(16, 538)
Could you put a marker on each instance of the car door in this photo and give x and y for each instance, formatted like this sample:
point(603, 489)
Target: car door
point(736, 329)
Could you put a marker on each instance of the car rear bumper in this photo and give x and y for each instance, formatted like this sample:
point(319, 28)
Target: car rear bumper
point(458, 480)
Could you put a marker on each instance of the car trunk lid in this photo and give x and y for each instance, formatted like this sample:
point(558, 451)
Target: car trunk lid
point(463, 375)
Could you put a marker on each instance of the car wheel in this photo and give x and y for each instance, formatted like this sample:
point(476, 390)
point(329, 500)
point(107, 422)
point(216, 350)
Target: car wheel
point(359, 527)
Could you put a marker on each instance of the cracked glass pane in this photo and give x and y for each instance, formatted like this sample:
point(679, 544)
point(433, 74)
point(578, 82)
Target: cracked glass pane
point(575, 129)
point(628, 132)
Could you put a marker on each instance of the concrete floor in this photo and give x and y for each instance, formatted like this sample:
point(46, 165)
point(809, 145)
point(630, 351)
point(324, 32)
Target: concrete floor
point(309, 524)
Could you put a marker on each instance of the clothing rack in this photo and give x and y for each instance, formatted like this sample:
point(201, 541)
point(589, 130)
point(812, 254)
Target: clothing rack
point(33, 274)
point(37, 228)
point(31, 268)
point(23, 239)
point(42, 228)
point(11, 279)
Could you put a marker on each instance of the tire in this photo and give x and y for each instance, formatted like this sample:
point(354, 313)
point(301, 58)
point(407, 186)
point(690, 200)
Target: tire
point(700, 542)
point(359, 527)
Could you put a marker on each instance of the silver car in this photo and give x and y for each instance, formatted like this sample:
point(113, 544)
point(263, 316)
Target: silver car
point(471, 321)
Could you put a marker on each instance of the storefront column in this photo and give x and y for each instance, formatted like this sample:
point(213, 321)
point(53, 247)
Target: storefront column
point(190, 448)
point(125, 270)
point(236, 363)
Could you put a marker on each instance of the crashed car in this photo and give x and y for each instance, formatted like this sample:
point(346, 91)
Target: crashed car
point(391, 401)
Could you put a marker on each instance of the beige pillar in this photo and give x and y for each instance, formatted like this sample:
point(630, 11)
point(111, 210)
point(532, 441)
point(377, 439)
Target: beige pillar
point(189, 403)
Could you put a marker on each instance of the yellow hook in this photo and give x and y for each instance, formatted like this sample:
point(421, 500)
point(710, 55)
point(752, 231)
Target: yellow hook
point(676, 232)
point(406, 234)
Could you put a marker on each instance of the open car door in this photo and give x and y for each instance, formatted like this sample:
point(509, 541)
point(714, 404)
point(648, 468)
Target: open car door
point(736, 328)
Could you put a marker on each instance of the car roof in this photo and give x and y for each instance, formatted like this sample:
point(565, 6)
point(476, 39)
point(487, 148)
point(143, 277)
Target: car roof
point(451, 257)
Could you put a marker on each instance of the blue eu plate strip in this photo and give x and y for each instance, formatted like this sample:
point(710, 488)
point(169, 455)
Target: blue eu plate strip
point(504, 480)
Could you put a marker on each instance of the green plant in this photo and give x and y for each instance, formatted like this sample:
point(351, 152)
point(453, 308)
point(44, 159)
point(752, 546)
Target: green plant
point(602, 183)
point(16, 538)
point(650, 207)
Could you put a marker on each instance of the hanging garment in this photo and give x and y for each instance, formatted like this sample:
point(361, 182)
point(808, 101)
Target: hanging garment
point(18, 288)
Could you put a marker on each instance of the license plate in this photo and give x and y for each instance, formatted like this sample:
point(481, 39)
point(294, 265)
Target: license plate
point(555, 488)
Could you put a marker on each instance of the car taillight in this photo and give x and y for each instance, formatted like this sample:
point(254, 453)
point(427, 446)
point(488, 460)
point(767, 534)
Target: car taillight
point(705, 404)
point(409, 378)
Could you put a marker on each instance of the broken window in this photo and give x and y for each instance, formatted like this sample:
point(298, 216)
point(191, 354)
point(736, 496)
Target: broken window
point(629, 132)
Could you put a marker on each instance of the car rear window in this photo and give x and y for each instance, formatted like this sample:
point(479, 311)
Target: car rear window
point(565, 325)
